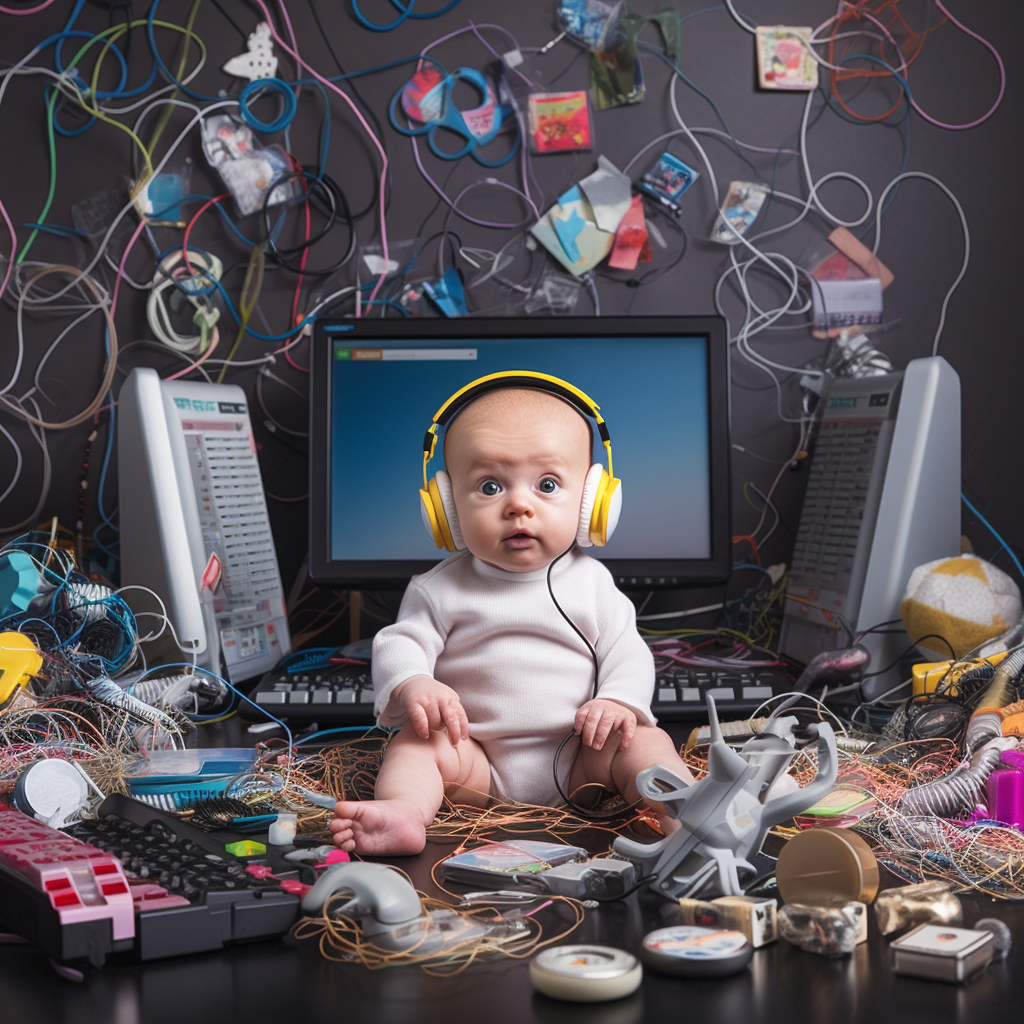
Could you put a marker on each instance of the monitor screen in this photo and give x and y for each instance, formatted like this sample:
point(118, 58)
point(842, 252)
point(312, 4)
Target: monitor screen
point(662, 387)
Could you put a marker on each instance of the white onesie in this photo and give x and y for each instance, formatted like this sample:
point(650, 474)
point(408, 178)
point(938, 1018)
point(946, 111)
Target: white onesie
point(520, 671)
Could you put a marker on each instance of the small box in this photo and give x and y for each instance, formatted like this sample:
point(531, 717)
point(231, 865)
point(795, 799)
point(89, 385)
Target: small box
point(755, 916)
point(943, 953)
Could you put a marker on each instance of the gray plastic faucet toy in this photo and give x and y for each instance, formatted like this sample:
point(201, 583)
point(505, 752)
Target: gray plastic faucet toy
point(725, 816)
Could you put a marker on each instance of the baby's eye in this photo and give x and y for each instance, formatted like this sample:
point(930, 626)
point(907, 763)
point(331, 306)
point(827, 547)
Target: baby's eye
point(547, 486)
point(490, 488)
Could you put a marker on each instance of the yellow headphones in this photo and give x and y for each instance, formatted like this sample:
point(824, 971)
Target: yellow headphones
point(602, 492)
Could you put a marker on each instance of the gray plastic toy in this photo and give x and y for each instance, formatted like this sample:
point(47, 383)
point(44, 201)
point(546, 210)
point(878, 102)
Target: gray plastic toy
point(724, 817)
point(389, 910)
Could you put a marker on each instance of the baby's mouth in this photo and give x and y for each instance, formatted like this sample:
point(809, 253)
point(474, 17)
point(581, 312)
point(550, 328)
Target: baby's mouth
point(519, 539)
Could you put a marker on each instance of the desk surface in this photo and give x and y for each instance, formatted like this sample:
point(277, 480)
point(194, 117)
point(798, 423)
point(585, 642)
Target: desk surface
point(286, 980)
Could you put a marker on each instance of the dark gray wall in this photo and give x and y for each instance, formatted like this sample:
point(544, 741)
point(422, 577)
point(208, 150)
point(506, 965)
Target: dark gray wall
point(955, 79)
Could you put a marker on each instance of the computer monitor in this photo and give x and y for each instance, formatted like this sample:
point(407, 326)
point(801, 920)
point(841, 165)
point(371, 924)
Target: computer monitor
point(662, 384)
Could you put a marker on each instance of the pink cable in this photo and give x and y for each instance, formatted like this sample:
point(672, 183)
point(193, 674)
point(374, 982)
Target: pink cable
point(355, 110)
point(214, 338)
point(124, 259)
point(14, 246)
point(1002, 79)
point(30, 10)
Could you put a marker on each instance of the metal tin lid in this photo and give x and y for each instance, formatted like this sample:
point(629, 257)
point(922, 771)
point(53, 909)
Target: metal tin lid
point(696, 951)
point(585, 973)
point(827, 867)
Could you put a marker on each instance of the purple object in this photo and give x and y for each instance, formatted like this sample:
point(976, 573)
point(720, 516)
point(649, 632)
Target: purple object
point(1005, 789)
point(1013, 758)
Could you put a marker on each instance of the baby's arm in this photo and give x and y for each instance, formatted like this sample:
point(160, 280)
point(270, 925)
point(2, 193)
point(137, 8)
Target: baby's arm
point(430, 706)
point(599, 718)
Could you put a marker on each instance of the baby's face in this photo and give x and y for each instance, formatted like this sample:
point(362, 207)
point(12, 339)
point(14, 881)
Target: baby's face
point(517, 479)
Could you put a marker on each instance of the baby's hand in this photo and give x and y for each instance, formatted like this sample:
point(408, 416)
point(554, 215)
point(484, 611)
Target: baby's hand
point(598, 719)
point(431, 706)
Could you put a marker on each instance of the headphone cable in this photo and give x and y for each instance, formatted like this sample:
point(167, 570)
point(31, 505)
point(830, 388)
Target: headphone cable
point(585, 812)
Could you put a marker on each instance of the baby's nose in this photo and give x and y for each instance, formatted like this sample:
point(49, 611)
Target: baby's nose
point(519, 502)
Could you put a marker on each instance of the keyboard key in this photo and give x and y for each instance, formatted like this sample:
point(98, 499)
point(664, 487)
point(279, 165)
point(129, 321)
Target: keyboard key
point(323, 696)
point(667, 693)
point(722, 693)
point(757, 692)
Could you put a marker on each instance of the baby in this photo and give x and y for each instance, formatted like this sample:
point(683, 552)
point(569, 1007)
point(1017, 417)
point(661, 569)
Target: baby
point(481, 671)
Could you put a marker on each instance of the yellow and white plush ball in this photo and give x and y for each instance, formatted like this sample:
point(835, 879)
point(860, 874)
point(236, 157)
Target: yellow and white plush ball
point(964, 599)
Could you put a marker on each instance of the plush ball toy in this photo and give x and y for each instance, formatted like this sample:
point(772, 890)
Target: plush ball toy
point(964, 599)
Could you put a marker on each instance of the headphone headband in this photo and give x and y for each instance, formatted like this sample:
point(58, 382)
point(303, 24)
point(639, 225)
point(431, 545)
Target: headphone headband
point(580, 400)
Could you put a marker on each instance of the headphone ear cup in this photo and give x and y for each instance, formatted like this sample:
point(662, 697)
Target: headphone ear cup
point(437, 510)
point(600, 507)
point(591, 488)
point(447, 499)
point(606, 516)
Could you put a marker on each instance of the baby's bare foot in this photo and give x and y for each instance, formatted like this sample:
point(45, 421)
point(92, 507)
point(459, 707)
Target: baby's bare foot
point(378, 827)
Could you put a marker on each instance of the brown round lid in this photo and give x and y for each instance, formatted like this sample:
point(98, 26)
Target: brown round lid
point(827, 867)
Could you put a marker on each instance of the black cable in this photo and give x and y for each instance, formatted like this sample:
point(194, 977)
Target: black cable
point(234, 24)
point(622, 895)
point(908, 649)
point(371, 113)
point(584, 812)
point(317, 189)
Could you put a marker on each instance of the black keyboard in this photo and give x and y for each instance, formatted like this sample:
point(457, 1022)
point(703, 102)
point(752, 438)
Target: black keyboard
point(344, 695)
point(325, 694)
point(191, 895)
point(680, 692)
point(133, 880)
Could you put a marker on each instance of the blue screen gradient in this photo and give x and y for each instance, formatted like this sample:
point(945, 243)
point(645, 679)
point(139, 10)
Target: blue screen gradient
point(653, 394)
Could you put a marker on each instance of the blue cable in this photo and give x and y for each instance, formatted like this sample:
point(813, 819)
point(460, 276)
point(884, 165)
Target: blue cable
point(430, 14)
point(387, 26)
point(108, 450)
point(404, 12)
point(388, 302)
point(195, 196)
point(340, 728)
point(164, 69)
point(120, 92)
point(54, 229)
point(751, 566)
point(991, 529)
point(267, 85)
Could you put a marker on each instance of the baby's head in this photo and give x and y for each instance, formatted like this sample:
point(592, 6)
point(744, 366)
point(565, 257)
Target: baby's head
point(518, 460)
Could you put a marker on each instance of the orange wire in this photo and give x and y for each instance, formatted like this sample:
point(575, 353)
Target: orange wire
point(910, 49)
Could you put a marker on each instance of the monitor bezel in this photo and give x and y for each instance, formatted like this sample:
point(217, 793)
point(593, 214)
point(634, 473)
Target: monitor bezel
point(630, 574)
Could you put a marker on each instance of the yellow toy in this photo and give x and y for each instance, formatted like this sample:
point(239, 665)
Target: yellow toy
point(19, 662)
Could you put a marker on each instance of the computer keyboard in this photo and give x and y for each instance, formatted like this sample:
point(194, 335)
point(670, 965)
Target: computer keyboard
point(680, 692)
point(326, 694)
point(344, 695)
point(133, 880)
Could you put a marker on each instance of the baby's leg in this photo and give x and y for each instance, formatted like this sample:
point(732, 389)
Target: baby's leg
point(617, 769)
point(409, 790)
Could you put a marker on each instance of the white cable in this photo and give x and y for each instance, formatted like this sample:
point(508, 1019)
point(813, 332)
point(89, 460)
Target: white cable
point(963, 224)
point(739, 18)
point(682, 614)
point(33, 517)
point(813, 187)
point(16, 475)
